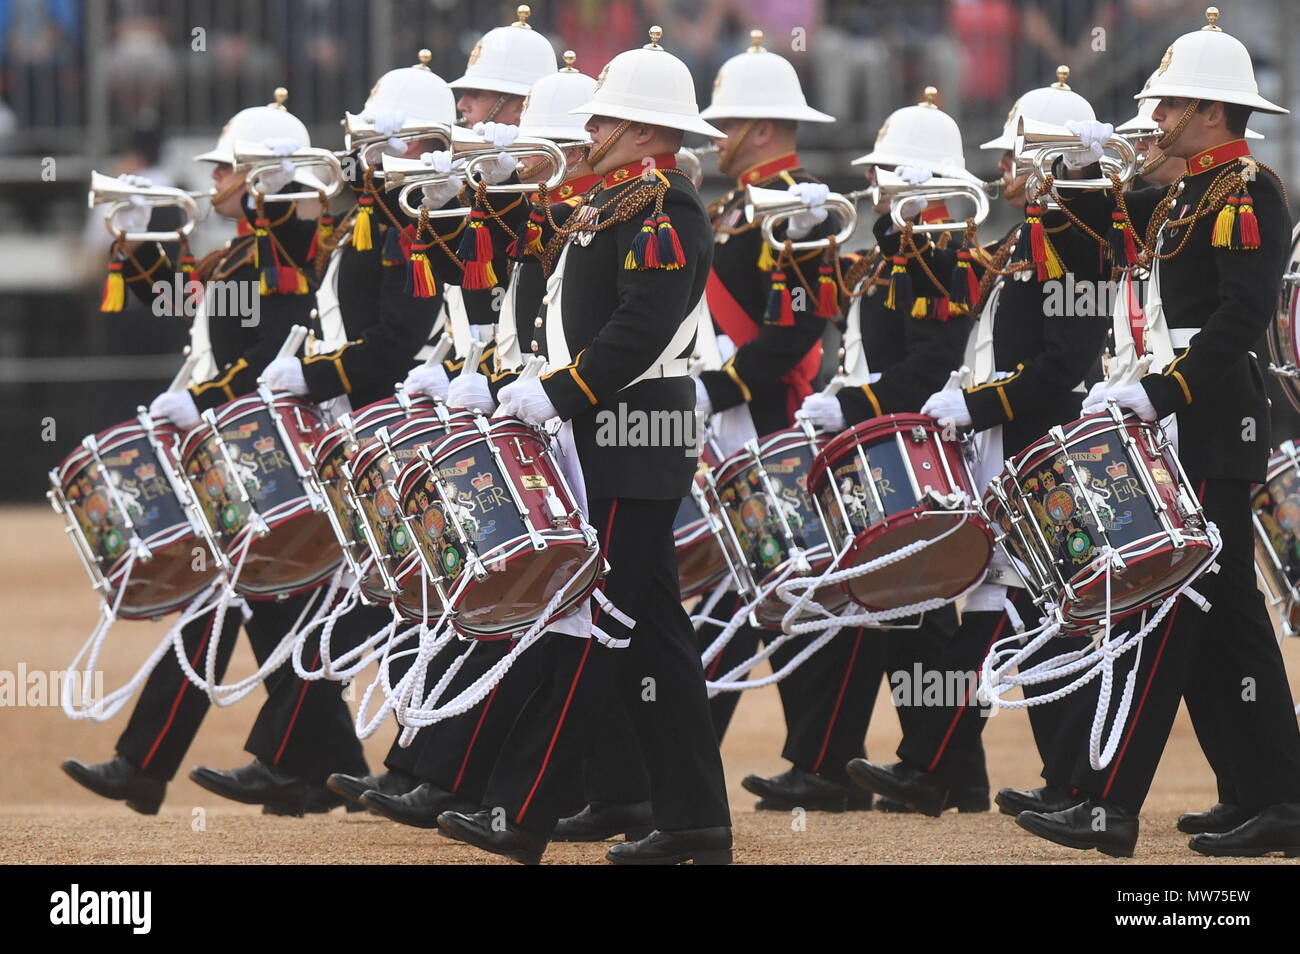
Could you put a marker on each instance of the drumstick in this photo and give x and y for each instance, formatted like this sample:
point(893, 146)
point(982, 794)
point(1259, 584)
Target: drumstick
point(292, 342)
point(1135, 371)
point(834, 388)
point(440, 351)
point(532, 367)
point(955, 379)
point(187, 368)
point(473, 355)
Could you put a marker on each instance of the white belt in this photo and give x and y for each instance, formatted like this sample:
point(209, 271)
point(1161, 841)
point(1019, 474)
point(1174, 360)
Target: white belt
point(672, 368)
point(1182, 337)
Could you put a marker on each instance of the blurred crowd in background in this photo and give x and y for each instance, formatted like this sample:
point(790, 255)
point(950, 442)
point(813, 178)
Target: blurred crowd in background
point(140, 85)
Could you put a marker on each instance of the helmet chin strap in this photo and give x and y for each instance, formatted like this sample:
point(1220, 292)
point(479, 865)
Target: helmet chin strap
point(1169, 138)
point(726, 168)
point(235, 185)
point(598, 152)
point(496, 107)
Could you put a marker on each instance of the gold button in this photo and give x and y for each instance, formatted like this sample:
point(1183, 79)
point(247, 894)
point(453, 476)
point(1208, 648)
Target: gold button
point(537, 322)
point(534, 345)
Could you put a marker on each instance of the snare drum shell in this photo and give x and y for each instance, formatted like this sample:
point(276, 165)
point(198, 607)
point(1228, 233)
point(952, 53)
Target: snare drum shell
point(300, 550)
point(1276, 510)
point(1107, 454)
point(169, 579)
point(896, 459)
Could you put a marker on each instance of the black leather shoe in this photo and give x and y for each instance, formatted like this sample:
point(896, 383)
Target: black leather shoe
point(255, 784)
point(1045, 800)
point(1276, 828)
point(1107, 828)
point(476, 829)
point(603, 820)
point(352, 787)
point(419, 808)
point(1222, 817)
point(965, 800)
point(796, 788)
point(920, 791)
point(701, 846)
point(119, 779)
point(320, 801)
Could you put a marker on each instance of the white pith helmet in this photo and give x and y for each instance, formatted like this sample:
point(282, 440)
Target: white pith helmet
point(649, 85)
point(410, 98)
point(1144, 125)
point(548, 108)
point(1211, 65)
point(922, 135)
point(509, 59)
point(757, 84)
point(262, 125)
point(1056, 104)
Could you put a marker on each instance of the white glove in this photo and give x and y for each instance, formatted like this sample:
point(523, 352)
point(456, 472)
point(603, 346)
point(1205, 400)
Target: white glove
point(135, 216)
point(470, 390)
point(702, 403)
point(1096, 399)
point(498, 172)
point(813, 195)
point(824, 411)
point(527, 401)
point(440, 193)
point(389, 123)
point(177, 406)
point(913, 175)
point(1131, 396)
point(1093, 135)
point(285, 374)
point(948, 407)
point(500, 135)
point(427, 379)
point(275, 180)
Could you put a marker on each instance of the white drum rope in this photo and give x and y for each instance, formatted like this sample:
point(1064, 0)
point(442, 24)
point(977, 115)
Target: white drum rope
point(1099, 659)
point(702, 615)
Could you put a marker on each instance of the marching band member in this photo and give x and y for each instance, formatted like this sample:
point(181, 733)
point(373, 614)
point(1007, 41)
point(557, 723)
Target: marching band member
point(910, 349)
point(449, 776)
point(619, 330)
point(1219, 240)
point(1028, 366)
point(303, 731)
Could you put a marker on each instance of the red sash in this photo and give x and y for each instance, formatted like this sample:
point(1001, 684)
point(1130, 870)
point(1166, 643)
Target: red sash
point(741, 329)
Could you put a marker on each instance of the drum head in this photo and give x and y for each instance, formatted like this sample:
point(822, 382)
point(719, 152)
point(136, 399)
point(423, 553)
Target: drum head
point(167, 581)
point(1143, 580)
point(699, 565)
point(942, 571)
point(295, 555)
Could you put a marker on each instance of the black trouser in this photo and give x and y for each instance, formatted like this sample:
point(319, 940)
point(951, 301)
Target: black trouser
point(658, 678)
point(946, 735)
point(1228, 666)
point(303, 728)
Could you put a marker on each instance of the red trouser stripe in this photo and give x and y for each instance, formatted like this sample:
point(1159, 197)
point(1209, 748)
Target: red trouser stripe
point(288, 731)
point(952, 726)
point(839, 700)
point(460, 776)
point(573, 686)
point(180, 694)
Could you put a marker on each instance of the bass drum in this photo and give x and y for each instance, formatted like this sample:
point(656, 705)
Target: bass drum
point(1284, 333)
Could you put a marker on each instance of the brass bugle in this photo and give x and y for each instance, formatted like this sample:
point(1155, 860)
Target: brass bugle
point(1038, 145)
point(256, 162)
point(117, 195)
point(476, 156)
point(892, 187)
point(778, 205)
point(361, 137)
point(408, 175)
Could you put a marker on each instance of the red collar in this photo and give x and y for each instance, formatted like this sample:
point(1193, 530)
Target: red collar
point(938, 212)
point(243, 227)
point(634, 169)
point(766, 170)
point(1219, 155)
point(578, 185)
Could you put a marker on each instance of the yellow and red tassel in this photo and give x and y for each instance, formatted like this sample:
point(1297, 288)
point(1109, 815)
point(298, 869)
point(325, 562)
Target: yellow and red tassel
point(190, 282)
point(419, 277)
point(394, 253)
point(113, 296)
point(639, 254)
point(1041, 253)
point(1123, 249)
point(530, 243)
point(899, 296)
point(671, 254)
point(1236, 226)
point(475, 253)
point(324, 229)
point(361, 225)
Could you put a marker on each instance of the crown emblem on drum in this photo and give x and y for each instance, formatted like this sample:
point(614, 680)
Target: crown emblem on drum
point(264, 445)
point(482, 481)
point(1117, 470)
point(146, 471)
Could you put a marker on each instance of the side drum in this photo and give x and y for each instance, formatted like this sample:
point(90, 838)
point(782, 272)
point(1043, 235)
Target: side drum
point(1275, 508)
